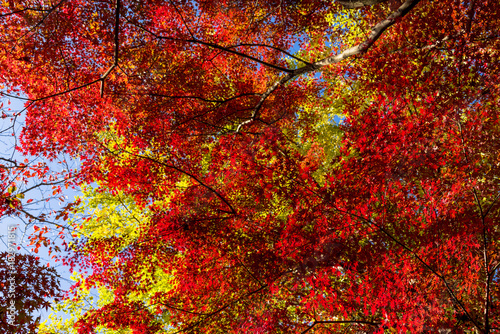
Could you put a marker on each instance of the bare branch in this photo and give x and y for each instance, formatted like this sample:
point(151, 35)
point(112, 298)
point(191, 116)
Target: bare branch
point(376, 32)
point(353, 4)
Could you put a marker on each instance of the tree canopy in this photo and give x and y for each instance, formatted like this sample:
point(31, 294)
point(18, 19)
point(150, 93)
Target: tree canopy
point(281, 166)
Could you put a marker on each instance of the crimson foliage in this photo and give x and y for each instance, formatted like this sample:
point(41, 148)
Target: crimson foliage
point(198, 111)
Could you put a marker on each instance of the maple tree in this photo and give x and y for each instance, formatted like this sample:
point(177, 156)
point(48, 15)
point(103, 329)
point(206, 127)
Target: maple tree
point(30, 286)
point(350, 184)
point(117, 218)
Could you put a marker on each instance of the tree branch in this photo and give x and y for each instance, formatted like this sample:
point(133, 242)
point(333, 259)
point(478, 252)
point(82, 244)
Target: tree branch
point(375, 34)
point(117, 46)
point(182, 171)
point(353, 4)
point(418, 258)
point(227, 49)
point(361, 322)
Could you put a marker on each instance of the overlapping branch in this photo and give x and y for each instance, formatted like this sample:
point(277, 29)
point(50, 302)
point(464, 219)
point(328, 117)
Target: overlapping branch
point(376, 33)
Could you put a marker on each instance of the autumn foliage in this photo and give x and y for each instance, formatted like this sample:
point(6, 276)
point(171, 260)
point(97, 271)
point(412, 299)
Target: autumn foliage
point(27, 286)
point(274, 167)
